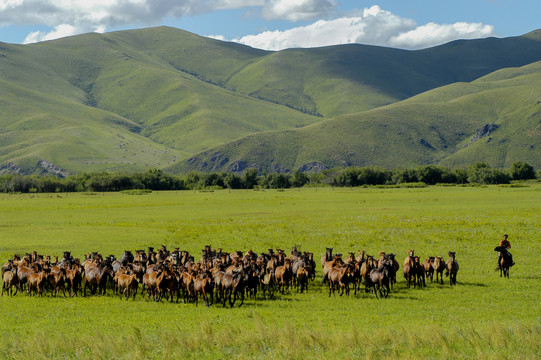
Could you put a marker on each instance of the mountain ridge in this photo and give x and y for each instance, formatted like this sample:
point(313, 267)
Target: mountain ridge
point(136, 99)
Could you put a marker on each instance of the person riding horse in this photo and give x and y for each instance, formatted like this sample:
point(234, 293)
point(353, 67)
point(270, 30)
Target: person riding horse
point(505, 245)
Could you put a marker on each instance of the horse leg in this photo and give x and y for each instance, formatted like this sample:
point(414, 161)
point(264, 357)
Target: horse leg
point(241, 298)
point(205, 298)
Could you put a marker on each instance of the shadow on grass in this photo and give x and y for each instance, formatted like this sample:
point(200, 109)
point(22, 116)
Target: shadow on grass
point(472, 284)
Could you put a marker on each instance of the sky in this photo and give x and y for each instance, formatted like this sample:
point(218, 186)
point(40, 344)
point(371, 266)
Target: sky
point(277, 24)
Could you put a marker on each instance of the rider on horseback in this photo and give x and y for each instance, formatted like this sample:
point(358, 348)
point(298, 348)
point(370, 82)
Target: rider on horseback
point(504, 243)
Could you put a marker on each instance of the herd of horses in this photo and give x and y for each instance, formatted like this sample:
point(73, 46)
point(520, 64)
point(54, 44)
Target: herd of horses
point(217, 277)
point(379, 274)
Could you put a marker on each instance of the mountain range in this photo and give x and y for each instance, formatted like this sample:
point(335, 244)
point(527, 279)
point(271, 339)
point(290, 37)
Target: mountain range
point(166, 98)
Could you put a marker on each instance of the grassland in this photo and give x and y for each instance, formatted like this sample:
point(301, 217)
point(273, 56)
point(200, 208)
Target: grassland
point(482, 317)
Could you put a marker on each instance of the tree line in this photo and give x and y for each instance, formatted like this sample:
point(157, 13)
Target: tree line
point(155, 179)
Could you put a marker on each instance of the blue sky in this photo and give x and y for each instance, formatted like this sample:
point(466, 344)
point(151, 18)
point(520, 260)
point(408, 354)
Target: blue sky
point(277, 24)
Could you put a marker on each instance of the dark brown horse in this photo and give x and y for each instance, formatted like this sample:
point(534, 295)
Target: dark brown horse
point(505, 261)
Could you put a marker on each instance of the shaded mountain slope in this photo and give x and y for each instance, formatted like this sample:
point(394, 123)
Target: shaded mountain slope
point(496, 119)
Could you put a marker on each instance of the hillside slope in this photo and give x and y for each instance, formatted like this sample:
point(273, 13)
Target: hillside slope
point(496, 119)
point(153, 97)
point(62, 100)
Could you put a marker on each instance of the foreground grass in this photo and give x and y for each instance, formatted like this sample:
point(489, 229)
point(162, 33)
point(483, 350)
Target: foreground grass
point(484, 316)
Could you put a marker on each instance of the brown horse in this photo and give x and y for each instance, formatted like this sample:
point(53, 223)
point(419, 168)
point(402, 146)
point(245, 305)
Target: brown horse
point(429, 269)
point(233, 286)
point(36, 283)
point(409, 268)
point(203, 284)
point(283, 275)
point(128, 284)
point(329, 265)
point(341, 277)
point(452, 268)
point(439, 266)
point(57, 280)
point(10, 280)
point(302, 279)
point(327, 256)
point(149, 281)
point(74, 279)
point(410, 258)
point(379, 279)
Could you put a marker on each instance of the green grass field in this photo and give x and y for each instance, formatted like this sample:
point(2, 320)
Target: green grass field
point(482, 317)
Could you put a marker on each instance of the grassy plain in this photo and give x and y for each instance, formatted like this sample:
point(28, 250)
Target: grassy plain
point(483, 316)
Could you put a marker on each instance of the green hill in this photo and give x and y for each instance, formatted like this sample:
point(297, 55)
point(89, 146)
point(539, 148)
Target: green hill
point(126, 107)
point(496, 119)
point(157, 97)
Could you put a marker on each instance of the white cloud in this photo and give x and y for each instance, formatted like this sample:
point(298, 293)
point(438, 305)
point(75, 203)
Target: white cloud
point(297, 10)
point(433, 34)
point(372, 26)
point(89, 15)
point(59, 31)
point(217, 37)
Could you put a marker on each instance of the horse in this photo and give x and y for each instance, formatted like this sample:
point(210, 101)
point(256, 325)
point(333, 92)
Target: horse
point(327, 267)
point(233, 285)
point(505, 261)
point(439, 266)
point(36, 282)
point(283, 276)
point(429, 269)
point(302, 279)
point(452, 268)
point(326, 257)
point(393, 268)
point(10, 280)
point(74, 279)
point(419, 271)
point(128, 284)
point(203, 285)
point(341, 276)
point(127, 257)
point(379, 279)
point(409, 268)
point(366, 267)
